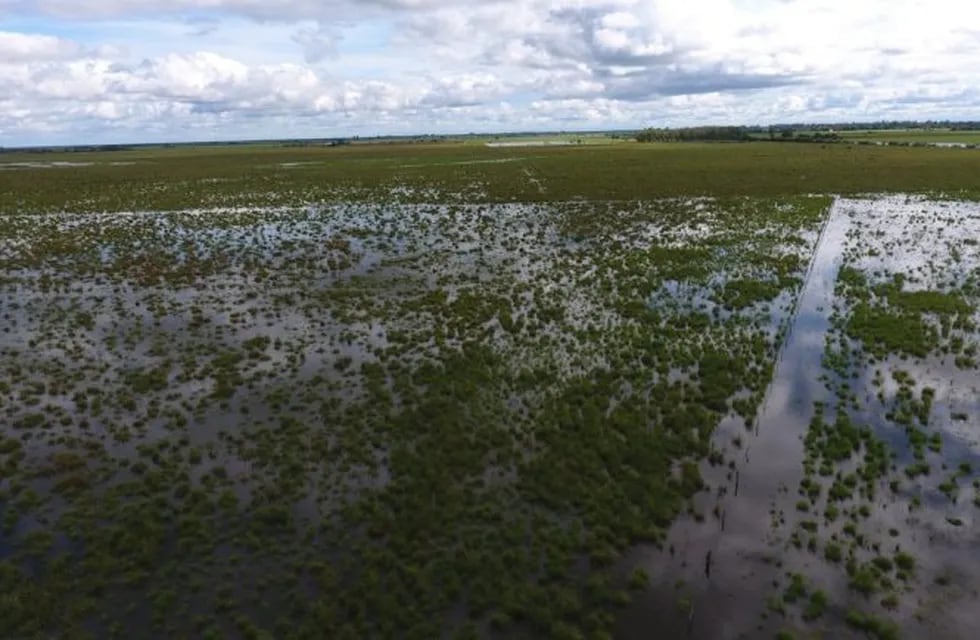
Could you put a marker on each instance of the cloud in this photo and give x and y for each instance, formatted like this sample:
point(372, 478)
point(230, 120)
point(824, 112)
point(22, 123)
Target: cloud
point(271, 10)
point(91, 70)
point(708, 79)
point(26, 47)
point(466, 89)
point(317, 43)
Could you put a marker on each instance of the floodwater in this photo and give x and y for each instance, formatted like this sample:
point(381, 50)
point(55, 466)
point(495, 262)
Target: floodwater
point(720, 569)
point(717, 569)
point(711, 584)
point(534, 143)
point(43, 165)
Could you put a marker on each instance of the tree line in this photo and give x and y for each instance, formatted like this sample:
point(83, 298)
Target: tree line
point(691, 134)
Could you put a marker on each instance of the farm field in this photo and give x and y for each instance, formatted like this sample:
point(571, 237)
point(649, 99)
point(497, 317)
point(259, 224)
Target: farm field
point(425, 391)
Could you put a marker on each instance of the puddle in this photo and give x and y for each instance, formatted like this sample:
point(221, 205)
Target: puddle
point(534, 143)
point(43, 165)
point(462, 162)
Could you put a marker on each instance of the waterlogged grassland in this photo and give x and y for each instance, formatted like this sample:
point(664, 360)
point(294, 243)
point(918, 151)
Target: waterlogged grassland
point(248, 176)
point(888, 495)
point(365, 419)
point(424, 390)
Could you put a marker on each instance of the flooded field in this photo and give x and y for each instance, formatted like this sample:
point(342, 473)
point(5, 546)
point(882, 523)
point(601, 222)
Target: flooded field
point(850, 512)
point(715, 417)
point(371, 417)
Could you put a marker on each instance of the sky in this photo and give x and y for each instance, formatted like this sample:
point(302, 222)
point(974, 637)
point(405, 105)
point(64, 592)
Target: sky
point(112, 71)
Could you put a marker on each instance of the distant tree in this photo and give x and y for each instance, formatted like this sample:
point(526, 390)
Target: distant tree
point(693, 134)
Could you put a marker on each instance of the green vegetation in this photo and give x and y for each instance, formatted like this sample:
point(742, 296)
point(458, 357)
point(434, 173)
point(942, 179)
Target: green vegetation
point(739, 294)
point(873, 626)
point(883, 331)
point(694, 134)
point(252, 176)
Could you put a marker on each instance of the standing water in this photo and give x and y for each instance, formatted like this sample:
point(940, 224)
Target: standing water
point(718, 572)
point(877, 540)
